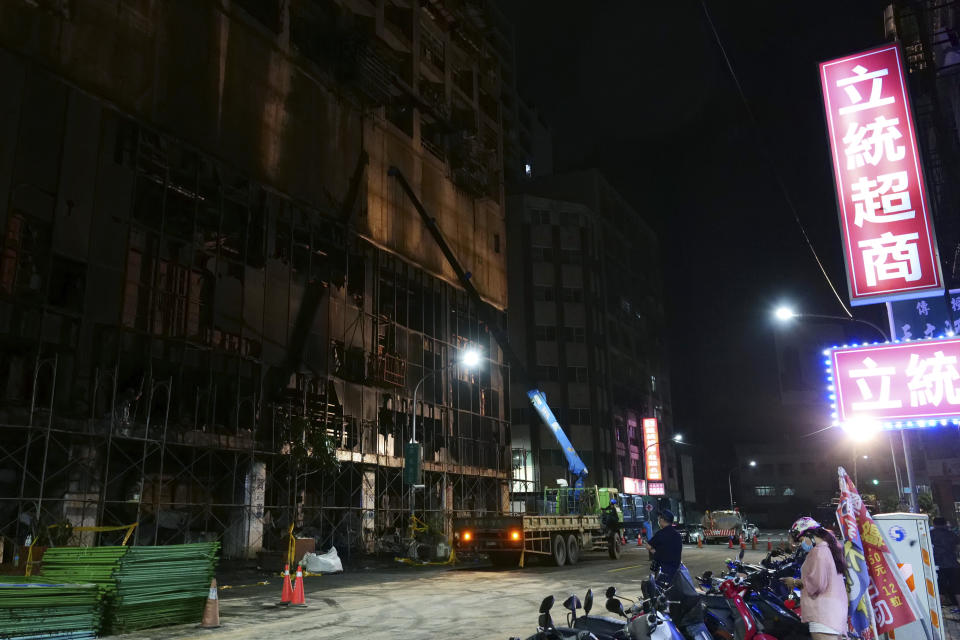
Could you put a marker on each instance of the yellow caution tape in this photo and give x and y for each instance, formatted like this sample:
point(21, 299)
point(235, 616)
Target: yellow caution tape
point(243, 586)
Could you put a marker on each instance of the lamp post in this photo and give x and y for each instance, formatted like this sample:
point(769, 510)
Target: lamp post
point(752, 463)
point(785, 314)
point(469, 359)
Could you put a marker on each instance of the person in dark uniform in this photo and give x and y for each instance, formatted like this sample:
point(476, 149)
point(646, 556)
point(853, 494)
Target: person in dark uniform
point(945, 557)
point(666, 545)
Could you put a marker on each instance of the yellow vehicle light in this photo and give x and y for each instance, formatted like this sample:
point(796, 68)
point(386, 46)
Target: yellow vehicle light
point(467, 536)
point(514, 535)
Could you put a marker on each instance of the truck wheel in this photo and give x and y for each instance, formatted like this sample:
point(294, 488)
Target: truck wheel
point(573, 549)
point(614, 548)
point(559, 550)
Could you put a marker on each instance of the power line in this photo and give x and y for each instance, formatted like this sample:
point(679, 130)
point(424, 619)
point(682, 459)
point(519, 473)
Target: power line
point(769, 159)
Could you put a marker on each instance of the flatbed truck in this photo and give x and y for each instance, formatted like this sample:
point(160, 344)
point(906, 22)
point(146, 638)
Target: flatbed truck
point(509, 539)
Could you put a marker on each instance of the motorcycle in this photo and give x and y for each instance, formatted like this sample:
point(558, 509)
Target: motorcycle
point(547, 630)
point(728, 615)
point(762, 589)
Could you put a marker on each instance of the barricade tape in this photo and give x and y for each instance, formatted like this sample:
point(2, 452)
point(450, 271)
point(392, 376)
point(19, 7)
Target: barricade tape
point(244, 586)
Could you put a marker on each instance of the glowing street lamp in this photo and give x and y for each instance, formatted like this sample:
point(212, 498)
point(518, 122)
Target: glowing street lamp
point(752, 463)
point(785, 314)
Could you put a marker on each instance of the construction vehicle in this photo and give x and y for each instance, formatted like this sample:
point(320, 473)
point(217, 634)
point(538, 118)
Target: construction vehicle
point(721, 526)
point(571, 522)
point(572, 519)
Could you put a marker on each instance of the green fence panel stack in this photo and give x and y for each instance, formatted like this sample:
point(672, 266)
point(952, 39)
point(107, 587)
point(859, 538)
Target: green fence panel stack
point(34, 607)
point(140, 587)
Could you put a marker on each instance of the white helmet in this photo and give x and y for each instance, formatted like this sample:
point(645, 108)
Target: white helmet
point(802, 526)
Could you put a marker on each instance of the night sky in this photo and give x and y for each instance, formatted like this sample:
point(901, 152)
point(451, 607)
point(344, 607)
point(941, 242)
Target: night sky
point(641, 91)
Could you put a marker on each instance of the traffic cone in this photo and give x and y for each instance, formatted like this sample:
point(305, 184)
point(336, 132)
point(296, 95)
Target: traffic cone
point(286, 595)
point(769, 545)
point(299, 599)
point(730, 542)
point(753, 545)
point(699, 543)
point(639, 539)
point(211, 610)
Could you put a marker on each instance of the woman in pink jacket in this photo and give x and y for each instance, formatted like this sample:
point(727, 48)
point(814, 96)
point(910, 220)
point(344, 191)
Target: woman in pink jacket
point(823, 590)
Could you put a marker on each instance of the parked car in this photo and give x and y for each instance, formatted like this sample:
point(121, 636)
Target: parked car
point(691, 533)
point(750, 531)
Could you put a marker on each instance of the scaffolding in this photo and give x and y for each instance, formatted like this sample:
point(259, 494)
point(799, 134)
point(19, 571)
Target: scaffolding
point(171, 414)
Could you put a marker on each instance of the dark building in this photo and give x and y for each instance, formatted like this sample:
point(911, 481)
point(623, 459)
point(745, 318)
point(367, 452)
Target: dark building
point(207, 274)
point(586, 312)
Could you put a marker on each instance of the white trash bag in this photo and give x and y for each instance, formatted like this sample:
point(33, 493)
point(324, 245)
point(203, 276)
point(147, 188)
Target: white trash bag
point(328, 562)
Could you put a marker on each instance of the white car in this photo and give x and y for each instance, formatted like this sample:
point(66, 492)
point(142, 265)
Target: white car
point(750, 531)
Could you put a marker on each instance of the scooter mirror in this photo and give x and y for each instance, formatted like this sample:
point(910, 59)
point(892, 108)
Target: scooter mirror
point(707, 575)
point(611, 591)
point(615, 606)
point(572, 603)
point(545, 621)
point(546, 605)
point(588, 602)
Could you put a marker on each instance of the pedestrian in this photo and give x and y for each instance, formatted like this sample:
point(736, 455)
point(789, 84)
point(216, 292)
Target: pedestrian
point(823, 591)
point(666, 545)
point(945, 557)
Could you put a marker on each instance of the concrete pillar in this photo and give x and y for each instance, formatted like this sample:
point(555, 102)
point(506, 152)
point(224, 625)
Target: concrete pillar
point(447, 508)
point(244, 536)
point(368, 505)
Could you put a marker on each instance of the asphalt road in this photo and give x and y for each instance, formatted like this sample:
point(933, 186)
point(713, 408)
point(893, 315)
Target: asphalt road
point(464, 602)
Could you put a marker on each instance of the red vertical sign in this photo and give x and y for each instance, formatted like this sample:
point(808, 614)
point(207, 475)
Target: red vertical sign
point(651, 449)
point(889, 244)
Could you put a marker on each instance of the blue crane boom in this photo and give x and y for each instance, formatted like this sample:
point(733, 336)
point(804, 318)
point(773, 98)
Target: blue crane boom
point(574, 464)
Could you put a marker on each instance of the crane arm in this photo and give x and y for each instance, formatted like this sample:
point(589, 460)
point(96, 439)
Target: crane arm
point(537, 398)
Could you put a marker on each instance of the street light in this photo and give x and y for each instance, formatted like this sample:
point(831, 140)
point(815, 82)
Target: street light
point(784, 313)
point(752, 463)
point(469, 359)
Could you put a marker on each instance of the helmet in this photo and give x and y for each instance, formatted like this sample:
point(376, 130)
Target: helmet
point(613, 501)
point(802, 526)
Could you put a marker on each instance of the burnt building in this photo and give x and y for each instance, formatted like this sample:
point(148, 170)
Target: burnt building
point(586, 312)
point(208, 277)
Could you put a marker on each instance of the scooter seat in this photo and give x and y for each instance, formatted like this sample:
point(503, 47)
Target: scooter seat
point(600, 625)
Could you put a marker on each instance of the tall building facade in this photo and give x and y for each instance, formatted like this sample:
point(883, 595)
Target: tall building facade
point(207, 272)
point(586, 312)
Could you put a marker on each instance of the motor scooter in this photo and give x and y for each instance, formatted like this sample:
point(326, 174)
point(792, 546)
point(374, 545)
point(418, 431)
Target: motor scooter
point(547, 630)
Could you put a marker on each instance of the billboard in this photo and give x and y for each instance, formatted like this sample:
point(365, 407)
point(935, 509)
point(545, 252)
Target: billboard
point(657, 489)
point(889, 245)
point(634, 486)
point(900, 385)
point(651, 449)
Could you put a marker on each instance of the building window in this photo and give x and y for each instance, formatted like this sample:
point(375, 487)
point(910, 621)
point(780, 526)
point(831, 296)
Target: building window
point(539, 216)
point(544, 294)
point(765, 491)
point(579, 416)
point(788, 491)
point(549, 372)
point(575, 334)
point(785, 468)
point(528, 170)
point(653, 383)
point(571, 256)
point(577, 374)
point(541, 254)
point(571, 294)
point(545, 333)
point(496, 243)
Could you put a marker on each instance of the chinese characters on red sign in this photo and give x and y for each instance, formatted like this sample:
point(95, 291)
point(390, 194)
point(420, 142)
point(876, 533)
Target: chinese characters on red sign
point(889, 244)
point(894, 383)
point(651, 449)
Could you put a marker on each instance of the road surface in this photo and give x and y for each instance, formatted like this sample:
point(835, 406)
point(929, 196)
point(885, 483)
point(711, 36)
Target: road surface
point(464, 602)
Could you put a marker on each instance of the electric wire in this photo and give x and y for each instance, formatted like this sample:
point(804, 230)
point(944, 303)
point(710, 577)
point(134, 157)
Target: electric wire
point(769, 159)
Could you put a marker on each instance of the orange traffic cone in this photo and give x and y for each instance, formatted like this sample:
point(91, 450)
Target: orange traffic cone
point(639, 539)
point(699, 543)
point(211, 610)
point(753, 545)
point(299, 599)
point(730, 542)
point(286, 594)
point(769, 545)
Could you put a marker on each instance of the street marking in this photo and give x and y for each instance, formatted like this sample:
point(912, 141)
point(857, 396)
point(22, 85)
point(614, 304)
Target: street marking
point(633, 566)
